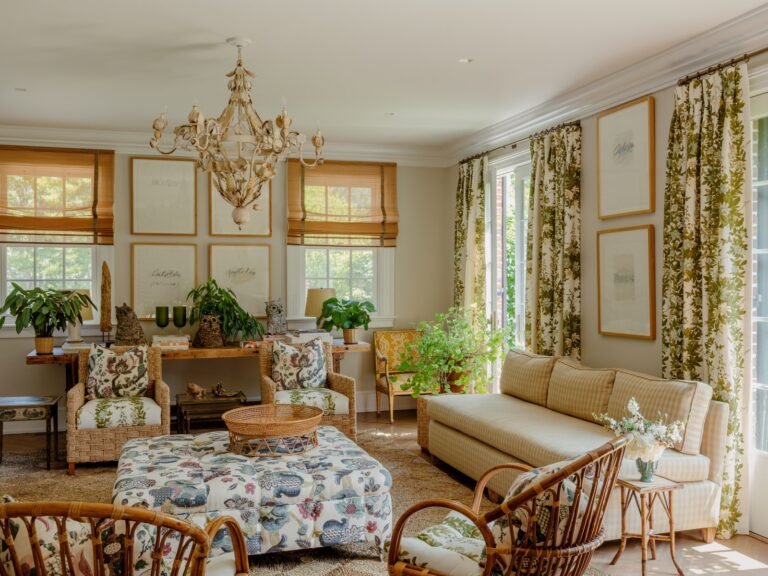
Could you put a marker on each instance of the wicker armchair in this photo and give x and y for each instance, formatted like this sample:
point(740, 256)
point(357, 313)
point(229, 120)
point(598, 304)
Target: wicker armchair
point(105, 444)
point(388, 347)
point(540, 547)
point(70, 538)
point(345, 385)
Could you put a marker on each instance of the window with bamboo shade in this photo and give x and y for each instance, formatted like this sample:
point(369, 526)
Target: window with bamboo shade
point(56, 195)
point(342, 204)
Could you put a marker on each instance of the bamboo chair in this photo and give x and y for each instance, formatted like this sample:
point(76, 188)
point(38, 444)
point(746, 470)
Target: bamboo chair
point(347, 423)
point(178, 547)
point(566, 553)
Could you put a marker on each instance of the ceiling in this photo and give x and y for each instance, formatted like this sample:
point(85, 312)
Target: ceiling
point(345, 65)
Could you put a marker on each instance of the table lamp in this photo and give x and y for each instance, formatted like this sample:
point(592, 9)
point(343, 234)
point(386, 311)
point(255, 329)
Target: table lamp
point(315, 299)
point(73, 330)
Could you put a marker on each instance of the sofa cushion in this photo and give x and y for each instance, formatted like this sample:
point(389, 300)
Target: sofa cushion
point(118, 413)
point(674, 466)
point(579, 391)
point(673, 400)
point(330, 401)
point(526, 376)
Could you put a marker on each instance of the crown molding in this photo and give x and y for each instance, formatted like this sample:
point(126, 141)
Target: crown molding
point(741, 35)
point(138, 143)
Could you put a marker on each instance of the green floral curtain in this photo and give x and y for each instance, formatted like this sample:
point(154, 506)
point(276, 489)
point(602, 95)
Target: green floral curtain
point(469, 237)
point(553, 259)
point(705, 289)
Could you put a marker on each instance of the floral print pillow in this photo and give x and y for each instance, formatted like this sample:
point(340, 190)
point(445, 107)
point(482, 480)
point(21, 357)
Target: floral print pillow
point(113, 375)
point(294, 368)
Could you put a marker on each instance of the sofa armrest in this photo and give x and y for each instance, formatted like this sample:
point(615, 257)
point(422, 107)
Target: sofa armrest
point(422, 423)
point(163, 399)
point(713, 442)
point(268, 389)
point(75, 401)
point(343, 385)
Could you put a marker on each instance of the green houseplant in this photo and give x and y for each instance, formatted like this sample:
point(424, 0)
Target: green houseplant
point(452, 353)
point(347, 315)
point(210, 299)
point(45, 310)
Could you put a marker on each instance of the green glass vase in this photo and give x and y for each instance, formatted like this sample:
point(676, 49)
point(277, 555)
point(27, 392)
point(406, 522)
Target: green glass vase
point(647, 468)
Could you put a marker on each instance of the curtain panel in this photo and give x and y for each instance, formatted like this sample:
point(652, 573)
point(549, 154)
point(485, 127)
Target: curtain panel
point(553, 258)
point(706, 256)
point(469, 237)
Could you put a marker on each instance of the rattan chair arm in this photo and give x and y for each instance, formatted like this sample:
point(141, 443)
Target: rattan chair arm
point(396, 567)
point(237, 538)
point(268, 389)
point(488, 475)
point(75, 401)
point(163, 399)
point(344, 385)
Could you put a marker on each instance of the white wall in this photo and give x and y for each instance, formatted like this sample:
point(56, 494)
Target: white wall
point(422, 285)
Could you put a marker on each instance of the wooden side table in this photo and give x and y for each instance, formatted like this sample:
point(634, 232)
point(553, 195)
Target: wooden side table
point(21, 408)
point(645, 495)
point(59, 358)
point(190, 409)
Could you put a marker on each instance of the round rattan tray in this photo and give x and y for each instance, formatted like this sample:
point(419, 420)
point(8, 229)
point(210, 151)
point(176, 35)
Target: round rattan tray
point(272, 429)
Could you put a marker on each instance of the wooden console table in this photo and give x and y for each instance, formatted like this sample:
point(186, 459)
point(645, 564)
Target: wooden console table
point(69, 359)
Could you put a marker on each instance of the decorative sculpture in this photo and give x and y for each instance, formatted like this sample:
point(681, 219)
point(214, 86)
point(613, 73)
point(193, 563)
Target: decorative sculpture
point(105, 320)
point(209, 335)
point(196, 391)
point(276, 323)
point(129, 331)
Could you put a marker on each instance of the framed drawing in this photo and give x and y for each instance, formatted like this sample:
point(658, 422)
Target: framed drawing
point(220, 221)
point(163, 196)
point(161, 275)
point(625, 160)
point(244, 268)
point(626, 285)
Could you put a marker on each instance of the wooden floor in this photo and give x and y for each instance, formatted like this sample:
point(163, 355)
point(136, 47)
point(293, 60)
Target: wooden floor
point(740, 555)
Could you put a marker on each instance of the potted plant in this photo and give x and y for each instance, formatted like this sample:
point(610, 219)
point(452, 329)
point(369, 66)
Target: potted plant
point(452, 353)
point(347, 315)
point(212, 301)
point(45, 310)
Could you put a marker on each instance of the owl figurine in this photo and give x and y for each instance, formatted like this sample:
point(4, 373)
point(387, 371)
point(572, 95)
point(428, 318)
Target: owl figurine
point(209, 334)
point(129, 331)
point(276, 323)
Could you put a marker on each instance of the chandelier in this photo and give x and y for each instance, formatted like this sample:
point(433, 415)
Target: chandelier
point(238, 148)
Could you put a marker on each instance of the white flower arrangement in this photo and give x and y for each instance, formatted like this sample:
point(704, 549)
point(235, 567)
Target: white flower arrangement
point(649, 437)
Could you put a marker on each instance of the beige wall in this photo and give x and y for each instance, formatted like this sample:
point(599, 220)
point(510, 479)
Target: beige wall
point(422, 285)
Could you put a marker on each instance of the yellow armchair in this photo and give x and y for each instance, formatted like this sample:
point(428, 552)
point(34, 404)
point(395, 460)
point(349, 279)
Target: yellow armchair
point(388, 347)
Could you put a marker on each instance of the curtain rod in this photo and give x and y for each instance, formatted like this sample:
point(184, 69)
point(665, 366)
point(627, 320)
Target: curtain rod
point(513, 145)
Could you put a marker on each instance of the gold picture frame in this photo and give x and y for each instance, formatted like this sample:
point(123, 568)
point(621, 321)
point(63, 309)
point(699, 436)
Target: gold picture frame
point(148, 264)
point(626, 282)
point(626, 167)
point(232, 271)
point(154, 213)
point(215, 225)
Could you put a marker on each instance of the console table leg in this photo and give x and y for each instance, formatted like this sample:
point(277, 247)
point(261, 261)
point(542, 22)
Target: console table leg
point(48, 441)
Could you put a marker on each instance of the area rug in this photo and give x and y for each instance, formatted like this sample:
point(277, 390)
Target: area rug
point(23, 476)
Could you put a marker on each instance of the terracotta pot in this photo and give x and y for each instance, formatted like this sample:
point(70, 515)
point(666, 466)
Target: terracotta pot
point(450, 381)
point(44, 345)
point(350, 335)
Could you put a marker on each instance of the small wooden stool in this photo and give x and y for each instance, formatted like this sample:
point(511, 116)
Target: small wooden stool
point(645, 495)
point(21, 408)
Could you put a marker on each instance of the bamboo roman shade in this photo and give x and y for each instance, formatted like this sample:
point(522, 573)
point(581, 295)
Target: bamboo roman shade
point(342, 204)
point(56, 195)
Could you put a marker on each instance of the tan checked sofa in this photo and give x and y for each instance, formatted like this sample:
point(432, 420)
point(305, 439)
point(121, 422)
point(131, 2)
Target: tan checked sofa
point(544, 414)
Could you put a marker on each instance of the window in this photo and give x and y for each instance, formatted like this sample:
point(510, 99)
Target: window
point(760, 271)
point(509, 223)
point(350, 271)
point(47, 266)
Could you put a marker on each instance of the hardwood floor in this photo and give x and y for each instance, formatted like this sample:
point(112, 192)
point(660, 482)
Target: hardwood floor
point(740, 555)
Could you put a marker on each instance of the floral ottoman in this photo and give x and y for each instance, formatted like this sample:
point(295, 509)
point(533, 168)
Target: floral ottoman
point(334, 494)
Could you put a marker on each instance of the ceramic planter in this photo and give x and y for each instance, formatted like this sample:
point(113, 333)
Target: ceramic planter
point(44, 344)
point(351, 335)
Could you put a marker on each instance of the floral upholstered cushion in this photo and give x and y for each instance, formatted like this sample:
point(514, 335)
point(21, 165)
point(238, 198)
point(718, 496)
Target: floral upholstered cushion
point(118, 412)
point(454, 547)
point(302, 367)
point(113, 375)
point(332, 402)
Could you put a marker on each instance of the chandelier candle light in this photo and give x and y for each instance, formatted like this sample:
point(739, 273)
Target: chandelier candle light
point(238, 148)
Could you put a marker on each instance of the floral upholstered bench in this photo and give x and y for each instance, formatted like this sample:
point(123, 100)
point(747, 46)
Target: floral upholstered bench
point(334, 494)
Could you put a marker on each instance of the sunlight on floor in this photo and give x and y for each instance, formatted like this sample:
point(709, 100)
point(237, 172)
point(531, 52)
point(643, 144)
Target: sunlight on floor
point(719, 559)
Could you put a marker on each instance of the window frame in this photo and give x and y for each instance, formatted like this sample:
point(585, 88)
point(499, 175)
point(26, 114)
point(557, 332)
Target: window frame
point(383, 283)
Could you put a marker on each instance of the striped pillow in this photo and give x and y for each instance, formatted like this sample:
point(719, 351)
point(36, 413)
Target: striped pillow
point(579, 391)
point(526, 376)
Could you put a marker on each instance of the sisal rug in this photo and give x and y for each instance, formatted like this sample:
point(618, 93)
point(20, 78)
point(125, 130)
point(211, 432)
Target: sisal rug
point(23, 476)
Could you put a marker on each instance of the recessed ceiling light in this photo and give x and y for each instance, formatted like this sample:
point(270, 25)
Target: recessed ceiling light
point(466, 60)
point(20, 89)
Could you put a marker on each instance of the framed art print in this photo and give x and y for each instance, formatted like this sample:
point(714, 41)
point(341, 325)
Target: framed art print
point(625, 160)
point(220, 214)
point(245, 269)
point(163, 196)
point(161, 275)
point(626, 286)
